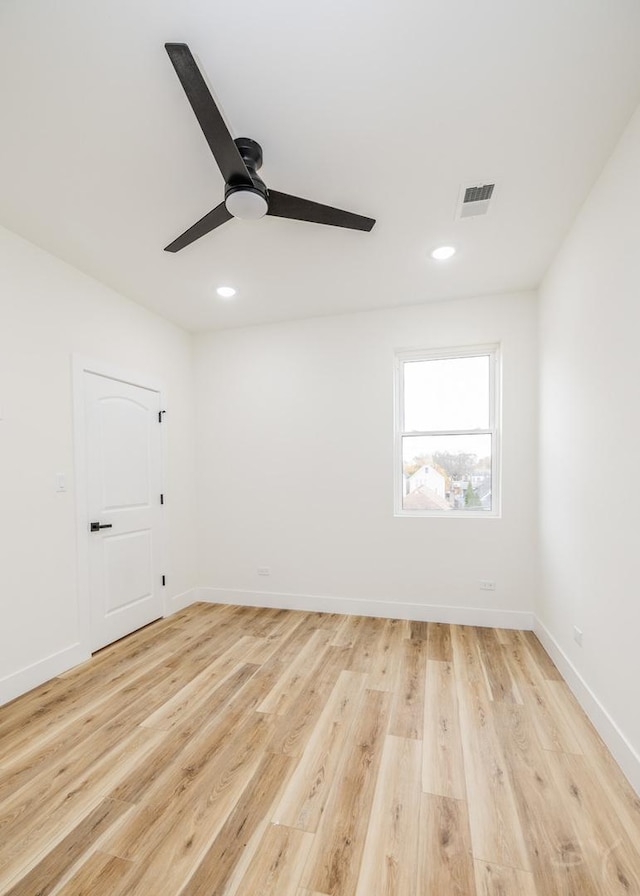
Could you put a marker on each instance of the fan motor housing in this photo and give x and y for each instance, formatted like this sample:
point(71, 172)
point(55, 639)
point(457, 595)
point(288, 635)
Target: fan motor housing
point(251, 152)
point(241, 200)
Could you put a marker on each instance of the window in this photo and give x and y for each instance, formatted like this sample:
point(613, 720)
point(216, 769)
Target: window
point(446, 432)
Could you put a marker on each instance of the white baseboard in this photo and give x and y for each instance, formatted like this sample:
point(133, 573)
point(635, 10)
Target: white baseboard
point(18, 683)
point(623, 752)
point(180, 601)
point(31, 676)
point(386, 609)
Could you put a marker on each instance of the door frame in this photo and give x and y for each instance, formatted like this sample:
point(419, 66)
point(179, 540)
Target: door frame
point(80, 365)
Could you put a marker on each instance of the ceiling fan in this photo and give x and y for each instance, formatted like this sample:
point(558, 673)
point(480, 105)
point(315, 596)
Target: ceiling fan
point(245, 194)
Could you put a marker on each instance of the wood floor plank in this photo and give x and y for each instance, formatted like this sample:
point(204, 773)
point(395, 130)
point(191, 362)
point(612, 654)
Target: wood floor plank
point(265, 647)
point(520, 659)
point(291, 645)
point(57, 766)
point(390, 856)
point(167, 844)
point(101, 873)
point(264, 621)
point(552, 725)
point(612, 782)
point(236, 876)
point(346, 633)
point(496, 880)
point(418, 630)
point(33, 729)
point(368, 633)
point(198, 690)
point(204, 784)
point(328, 621)
point(558, 858)
point(502, 687)
point(439, 642)
point(496, 834)
point(277, 864)
point(407, 717)
point(216, 867)
point(52, 758)
point(611, 851)
point(48, 872)
point(306, 794)
point(467, 664)
point(545, 663)
point(445, 860)
point(334, 862)
point(383, 669)
point(578, 730)
point(232, 695)
point(149, 769)
point(609, 774)
point(296, 673)
point(132, 670)
point(143, 648)
point(27, 835)
point(293, 729)
point(443, 768)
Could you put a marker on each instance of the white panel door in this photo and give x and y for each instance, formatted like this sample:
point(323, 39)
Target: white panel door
point(123, 463)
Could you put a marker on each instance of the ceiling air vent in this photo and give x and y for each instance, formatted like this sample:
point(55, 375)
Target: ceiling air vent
point(475, 200)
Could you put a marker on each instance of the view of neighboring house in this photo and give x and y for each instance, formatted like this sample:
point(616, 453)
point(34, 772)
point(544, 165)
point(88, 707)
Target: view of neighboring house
point(429, 489)
point(480, 485)
point(425, 490)
point(427, 477)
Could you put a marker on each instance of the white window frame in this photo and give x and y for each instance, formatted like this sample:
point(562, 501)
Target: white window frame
point(495, 391)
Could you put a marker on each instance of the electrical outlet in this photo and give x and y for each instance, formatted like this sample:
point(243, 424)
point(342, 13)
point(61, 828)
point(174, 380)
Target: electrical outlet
point(577, 635)
point(264, 571)
point(487, 585)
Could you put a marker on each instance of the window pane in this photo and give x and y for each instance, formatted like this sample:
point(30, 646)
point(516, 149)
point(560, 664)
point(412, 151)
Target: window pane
point(447, 393)
point(446, 473)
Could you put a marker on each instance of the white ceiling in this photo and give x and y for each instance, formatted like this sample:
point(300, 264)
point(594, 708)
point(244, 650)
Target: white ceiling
point(382, 107)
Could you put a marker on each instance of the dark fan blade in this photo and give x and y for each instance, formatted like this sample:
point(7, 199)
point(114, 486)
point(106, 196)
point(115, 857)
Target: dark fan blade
point(209, 118)
point(281, 205)
point(205, 225)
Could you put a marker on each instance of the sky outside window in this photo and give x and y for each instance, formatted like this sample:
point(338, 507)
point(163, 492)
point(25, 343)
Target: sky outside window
point(446, 394)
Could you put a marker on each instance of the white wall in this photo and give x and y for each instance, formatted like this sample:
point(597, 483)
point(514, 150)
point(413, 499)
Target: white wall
point(48, 310)
point(295, 458)
point(590, 451)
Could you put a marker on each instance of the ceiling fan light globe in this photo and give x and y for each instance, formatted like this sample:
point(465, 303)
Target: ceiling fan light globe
point(246, 204)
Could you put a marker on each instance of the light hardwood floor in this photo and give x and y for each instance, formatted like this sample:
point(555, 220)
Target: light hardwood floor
point(257, 752)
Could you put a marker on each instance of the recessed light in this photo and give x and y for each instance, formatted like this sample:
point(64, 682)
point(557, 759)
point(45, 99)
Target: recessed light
point(226, 292)
point(443, 252)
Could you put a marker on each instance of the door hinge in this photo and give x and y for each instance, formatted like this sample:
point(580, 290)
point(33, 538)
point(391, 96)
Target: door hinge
point(160, 413)
point(164, 580)
point(162, 499)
